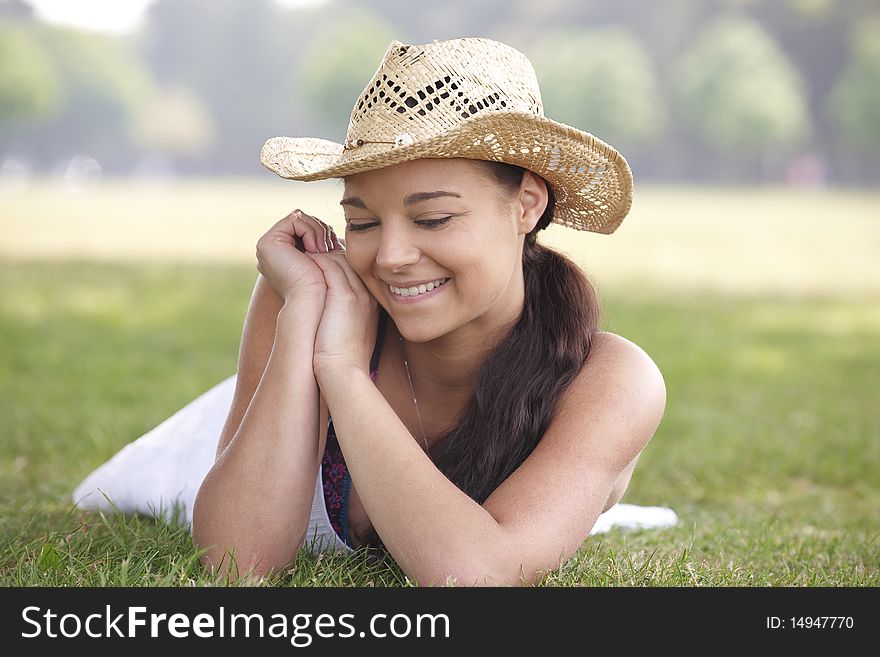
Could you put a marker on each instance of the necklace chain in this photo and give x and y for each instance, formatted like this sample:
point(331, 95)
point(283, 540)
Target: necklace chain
point(412, 389)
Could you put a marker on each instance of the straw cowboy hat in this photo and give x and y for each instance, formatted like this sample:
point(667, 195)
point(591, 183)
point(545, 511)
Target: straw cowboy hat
point(470, 98)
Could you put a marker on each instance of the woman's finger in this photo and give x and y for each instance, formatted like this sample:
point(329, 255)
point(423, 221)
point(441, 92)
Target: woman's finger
point(334, 241)
point(310, 226)
point(337, 281)
point(283, 231)
point(316, 236)
point(353, 279)
point(321, 232)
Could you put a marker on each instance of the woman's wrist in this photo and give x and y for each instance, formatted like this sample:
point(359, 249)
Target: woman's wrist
point(298, 323)
point(331, 373)
point(308, 294)
point(305, 307)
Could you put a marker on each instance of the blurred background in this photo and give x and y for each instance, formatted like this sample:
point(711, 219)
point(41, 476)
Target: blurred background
point(131, 199)
point(710, 91)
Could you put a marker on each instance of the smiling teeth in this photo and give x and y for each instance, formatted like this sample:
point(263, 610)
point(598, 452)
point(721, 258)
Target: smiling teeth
point(421, 289)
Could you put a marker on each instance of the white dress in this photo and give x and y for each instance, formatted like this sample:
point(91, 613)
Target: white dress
point(161, 472)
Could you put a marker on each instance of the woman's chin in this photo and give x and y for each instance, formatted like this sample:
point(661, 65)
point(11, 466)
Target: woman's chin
point(414, 331)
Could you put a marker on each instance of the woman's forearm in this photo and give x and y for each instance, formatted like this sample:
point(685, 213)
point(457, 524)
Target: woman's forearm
point(431, 528)
point(257, 497)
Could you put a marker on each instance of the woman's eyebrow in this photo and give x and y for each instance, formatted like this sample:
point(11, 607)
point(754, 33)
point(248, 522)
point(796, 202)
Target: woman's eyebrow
point(354, 201)
point(418, 197)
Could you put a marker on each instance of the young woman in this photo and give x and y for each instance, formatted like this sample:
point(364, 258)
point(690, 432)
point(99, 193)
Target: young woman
point(436, 384)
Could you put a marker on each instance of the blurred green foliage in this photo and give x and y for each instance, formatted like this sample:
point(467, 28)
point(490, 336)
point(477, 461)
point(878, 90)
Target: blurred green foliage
point(104, 83)
point(175, 123)
point(340, 61)
point(739, 89)
point(601, 80)
point(234, 60)
point(99, 86)
point(687, 89)
point(29, 83)
point(855, 102)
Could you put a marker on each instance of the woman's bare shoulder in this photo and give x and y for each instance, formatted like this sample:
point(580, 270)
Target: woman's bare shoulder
point(624, 358)
point(603, 420)
point(610, 347)
point(618, 374)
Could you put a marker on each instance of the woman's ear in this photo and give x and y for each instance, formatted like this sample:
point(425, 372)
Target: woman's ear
point(533, 199)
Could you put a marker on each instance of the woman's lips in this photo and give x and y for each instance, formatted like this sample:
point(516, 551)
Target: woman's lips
point(416, 298)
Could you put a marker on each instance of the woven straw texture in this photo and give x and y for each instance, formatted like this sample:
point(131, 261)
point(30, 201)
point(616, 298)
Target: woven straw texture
point(470, 98)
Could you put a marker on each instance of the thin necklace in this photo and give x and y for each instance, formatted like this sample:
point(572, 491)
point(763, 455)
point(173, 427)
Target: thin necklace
point(415, 401)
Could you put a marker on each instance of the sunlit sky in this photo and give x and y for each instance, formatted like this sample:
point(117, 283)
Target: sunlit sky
point(111, 15)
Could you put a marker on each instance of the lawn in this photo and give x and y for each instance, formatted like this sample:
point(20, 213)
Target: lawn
point(762, 308)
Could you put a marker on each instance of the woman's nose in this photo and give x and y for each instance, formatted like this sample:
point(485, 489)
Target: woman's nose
point(396, 250)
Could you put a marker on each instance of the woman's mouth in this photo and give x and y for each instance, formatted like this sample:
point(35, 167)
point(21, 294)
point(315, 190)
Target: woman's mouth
point(417, 292)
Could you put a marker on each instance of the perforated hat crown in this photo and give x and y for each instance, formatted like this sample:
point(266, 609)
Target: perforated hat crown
point(472, 98)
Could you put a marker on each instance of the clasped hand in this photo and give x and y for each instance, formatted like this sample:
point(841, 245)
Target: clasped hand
point(306, 264)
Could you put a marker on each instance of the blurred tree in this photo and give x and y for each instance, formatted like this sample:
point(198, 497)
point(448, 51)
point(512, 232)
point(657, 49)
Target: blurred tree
point(29, 85)
point(450, 19)
point(15, 10)
point(234, 69)
point(810, 8)
point(102, 86)
point(237, 58)
point(601, 81)
point(739, 90)
point(338, 63)
point(175, 123)
point(854, 105)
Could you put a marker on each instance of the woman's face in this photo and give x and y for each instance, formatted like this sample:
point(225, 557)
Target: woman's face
point(437, 244)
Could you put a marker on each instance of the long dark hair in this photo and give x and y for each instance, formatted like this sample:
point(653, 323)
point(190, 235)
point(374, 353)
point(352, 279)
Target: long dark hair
point(522, 380)
point(519, 385)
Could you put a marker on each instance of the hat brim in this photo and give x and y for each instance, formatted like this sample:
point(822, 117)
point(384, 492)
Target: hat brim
point(591, 180)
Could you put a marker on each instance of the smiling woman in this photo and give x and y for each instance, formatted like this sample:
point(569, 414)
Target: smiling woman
point(400, 240)
point(481, 422)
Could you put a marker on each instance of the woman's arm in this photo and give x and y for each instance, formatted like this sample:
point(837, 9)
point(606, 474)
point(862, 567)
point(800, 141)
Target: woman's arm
point(257, 338)
point(432, 529)
point(256, 499)
point(540, 515)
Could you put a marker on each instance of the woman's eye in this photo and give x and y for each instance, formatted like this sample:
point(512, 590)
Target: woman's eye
point(357, 227)
point(425, 223)
point(433, 223)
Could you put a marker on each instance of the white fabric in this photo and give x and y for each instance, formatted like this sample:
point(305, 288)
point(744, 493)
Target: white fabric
point(167, 464)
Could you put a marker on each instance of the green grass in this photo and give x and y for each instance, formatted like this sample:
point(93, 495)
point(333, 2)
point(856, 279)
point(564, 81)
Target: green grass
point(769, 450)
